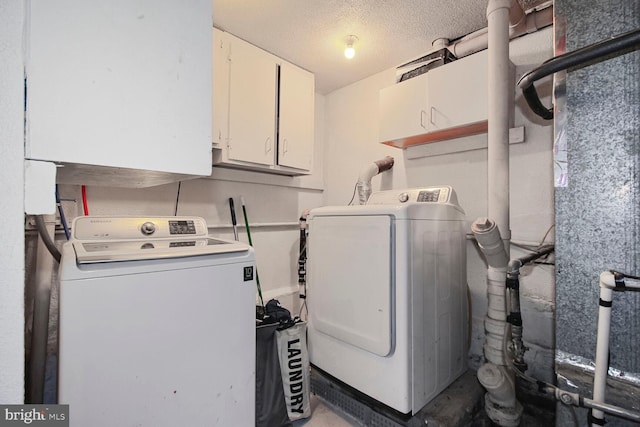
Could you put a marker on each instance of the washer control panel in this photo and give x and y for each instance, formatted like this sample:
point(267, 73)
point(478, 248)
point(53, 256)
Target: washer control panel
point(99, 239)
point(444, 194)
point(182, 227)
point(128, 228)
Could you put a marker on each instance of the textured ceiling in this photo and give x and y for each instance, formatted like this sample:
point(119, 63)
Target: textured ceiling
point(311, 33)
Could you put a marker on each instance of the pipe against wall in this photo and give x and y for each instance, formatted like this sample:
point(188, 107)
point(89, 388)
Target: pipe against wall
point(478, 40)
point(500, 400)
point(609, 281)
point(39, 336)
point(602, 346)
point(495, 375)
point(498, 126)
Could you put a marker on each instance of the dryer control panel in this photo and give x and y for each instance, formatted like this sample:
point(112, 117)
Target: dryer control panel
point(444, 194)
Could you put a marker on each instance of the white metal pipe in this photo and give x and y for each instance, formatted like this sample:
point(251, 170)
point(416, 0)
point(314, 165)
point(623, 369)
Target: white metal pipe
point(479, 40)
point(498, 107)
point(500, 401)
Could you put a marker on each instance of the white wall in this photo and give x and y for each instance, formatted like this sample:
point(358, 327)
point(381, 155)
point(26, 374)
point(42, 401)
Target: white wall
point(12, 224)
point(273, 203)
point(352, 133)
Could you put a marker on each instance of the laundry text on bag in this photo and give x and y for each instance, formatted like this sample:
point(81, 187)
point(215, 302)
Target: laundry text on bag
point(295, 375)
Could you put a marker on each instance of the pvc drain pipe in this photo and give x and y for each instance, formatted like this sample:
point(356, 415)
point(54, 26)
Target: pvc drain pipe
point(495, 375)
point(610, 281)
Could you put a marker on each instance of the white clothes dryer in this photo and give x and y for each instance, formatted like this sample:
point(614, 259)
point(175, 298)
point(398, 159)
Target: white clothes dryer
point(387, 294)
point(157, 324)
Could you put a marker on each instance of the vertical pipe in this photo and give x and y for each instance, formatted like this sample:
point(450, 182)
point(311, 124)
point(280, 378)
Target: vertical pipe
point(602, 349)
point(602, 343)
point(498, 104)
point(500, 400)
point(45, 264)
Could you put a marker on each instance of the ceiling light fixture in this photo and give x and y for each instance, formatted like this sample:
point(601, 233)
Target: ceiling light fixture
point(349, 51)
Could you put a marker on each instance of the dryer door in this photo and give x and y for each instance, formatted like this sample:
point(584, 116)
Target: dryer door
point(351, 284)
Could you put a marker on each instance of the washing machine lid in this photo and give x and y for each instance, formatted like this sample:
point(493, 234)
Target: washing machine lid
point(106, 239)
point(350, 283)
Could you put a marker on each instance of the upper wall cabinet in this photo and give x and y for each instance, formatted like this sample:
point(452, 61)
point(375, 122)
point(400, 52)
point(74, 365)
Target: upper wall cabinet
point(447, 102)
point(220, 88)
point(119, 92)
point(263, 109)
point(296, 113)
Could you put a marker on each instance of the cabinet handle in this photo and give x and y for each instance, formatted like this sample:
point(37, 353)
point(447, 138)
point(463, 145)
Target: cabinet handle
point(267, 145)
point(285, 146)
point(432, 115)
point(423, 117)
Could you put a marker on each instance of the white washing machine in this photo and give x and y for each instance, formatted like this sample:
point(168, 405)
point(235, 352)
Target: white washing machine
point(387, 294)
point(157, 324)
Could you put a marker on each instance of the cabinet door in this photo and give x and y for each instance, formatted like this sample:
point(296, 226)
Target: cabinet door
point(458, 92)
point(220, 88)
point(120, 84)
point(252, 104)
point(403, 109)
point(296, 117)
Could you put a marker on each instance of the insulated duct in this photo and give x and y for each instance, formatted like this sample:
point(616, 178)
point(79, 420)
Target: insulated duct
point(364, 179)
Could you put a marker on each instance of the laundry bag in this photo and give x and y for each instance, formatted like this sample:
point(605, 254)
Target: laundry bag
point(270, 408)
point(294, 364)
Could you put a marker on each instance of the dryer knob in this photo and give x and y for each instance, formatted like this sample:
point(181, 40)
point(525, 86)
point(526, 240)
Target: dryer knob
point(403, 197)
point(148, 228)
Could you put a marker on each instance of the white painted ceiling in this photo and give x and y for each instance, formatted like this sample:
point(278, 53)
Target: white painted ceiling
point(311, 33)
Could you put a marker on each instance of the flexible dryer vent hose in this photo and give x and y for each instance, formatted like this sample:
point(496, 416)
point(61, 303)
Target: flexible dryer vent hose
point(364, 180)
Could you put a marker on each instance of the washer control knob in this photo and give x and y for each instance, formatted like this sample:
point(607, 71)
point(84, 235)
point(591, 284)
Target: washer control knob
point(148, 228)
point(403, 197)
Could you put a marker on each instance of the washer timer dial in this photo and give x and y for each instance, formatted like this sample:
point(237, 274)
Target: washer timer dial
point(148, 228)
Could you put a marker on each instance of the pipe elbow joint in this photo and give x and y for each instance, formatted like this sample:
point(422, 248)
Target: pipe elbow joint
point(498, 384)
point(364, 179)
point(607, 280)
point(488, 237)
